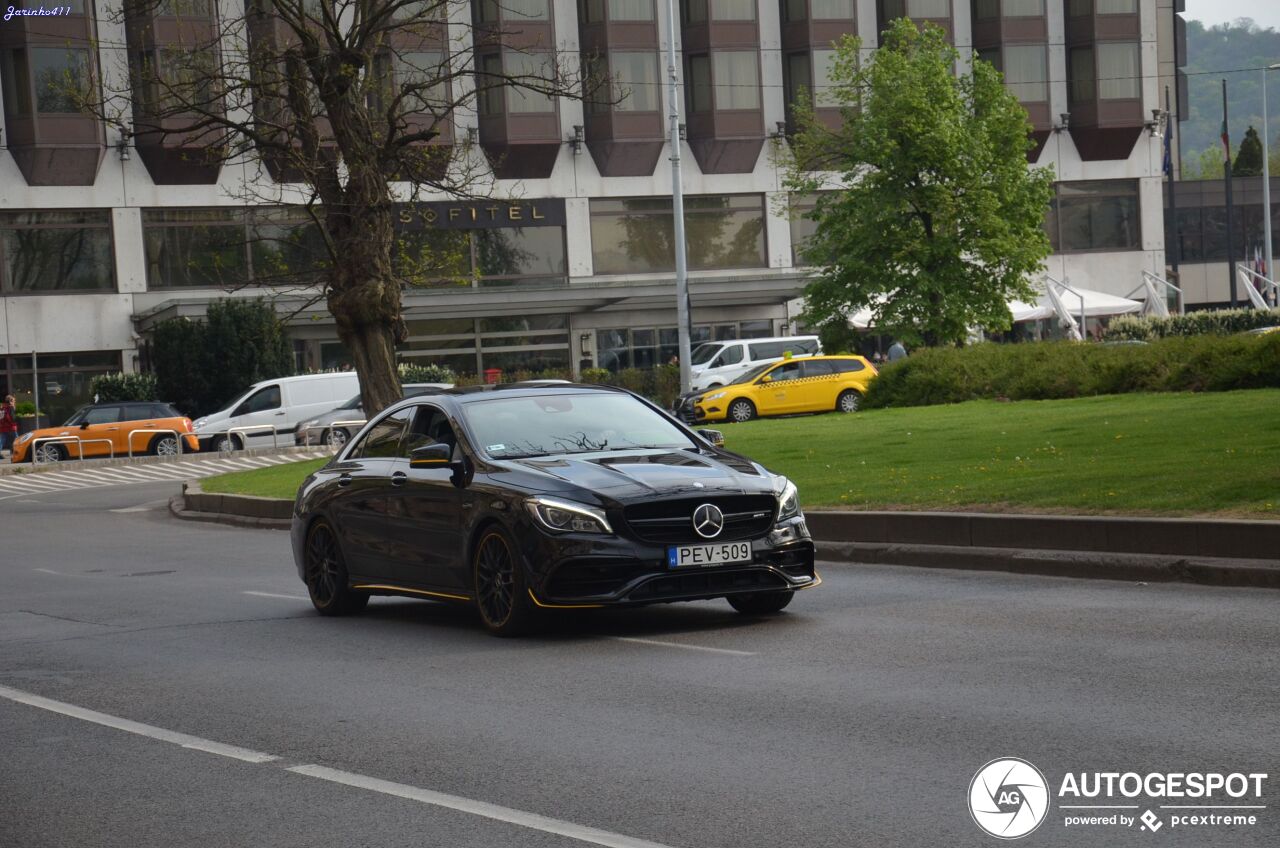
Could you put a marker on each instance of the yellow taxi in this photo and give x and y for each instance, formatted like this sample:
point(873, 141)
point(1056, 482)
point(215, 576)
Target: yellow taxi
point(811, 384)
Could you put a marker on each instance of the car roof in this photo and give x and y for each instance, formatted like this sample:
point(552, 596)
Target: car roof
point(531, 388)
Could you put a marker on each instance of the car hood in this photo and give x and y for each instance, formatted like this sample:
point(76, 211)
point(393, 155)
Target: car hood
point(626, 476)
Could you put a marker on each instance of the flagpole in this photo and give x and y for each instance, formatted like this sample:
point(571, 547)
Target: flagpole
point(1173, 195)
point(1266, 174)
point(1226, 176)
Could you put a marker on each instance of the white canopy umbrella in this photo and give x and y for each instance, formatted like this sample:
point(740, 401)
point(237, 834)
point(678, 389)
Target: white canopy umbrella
point(1096, 304)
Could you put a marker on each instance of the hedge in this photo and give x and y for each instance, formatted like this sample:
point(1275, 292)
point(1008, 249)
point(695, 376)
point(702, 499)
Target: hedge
point(109, 388)
point(416, 372)
point(1052, 370)
point(1221, 322)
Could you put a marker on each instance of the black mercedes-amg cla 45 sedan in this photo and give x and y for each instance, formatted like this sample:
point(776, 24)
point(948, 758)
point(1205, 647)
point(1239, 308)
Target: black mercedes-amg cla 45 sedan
point(528, 496)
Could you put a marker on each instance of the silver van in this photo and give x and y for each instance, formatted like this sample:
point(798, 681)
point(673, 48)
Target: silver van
point(273, 405)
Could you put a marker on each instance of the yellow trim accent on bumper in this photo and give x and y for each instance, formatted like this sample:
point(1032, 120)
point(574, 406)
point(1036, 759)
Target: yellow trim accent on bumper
point(817, 581)
point(539, 603)
point(389, 588)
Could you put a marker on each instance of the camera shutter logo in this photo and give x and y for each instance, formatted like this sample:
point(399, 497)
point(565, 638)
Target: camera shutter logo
point(1008, 798)
point(708, 521)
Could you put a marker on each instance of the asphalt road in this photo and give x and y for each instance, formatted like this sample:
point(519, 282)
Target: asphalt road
point(858, 718)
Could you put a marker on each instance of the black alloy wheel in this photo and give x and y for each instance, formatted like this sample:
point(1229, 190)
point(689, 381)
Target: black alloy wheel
point(502, 596)
point(742, 410)
point(326, 575)
point(761, 603)
point(849, 401)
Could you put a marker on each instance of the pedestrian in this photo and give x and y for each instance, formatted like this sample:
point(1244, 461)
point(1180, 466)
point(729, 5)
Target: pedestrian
point(8, 425)
point(897, 351)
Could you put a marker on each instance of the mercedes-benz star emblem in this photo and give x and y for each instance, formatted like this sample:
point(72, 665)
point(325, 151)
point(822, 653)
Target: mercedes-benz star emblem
point(708, 521)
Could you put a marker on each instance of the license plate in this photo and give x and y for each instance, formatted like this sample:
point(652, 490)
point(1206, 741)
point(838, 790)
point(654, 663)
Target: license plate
point(688, 556)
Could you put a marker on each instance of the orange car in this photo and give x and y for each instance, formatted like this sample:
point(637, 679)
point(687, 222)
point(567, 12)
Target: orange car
point(109, 429)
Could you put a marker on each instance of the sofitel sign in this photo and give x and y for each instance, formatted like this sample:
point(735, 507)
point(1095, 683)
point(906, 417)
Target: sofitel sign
point(482, 214)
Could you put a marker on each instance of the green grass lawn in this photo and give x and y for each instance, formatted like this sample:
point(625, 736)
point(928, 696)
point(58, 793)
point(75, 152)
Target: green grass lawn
point(1171, 454)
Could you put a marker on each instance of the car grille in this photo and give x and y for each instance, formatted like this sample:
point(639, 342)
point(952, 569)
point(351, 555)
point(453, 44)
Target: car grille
point(586, 578)
point(706, 584)
point(671, 522)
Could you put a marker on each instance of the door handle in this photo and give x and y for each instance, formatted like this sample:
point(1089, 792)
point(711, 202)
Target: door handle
point(399, 478)
point(344, 480)
point(281, 412)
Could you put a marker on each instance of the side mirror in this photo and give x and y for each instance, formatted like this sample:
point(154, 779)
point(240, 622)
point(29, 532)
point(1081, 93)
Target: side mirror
point(766, 379)
point(84, 425)
point(715, 437)
point(435, 455)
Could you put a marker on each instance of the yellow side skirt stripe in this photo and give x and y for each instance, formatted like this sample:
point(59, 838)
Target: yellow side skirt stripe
point(388, 588)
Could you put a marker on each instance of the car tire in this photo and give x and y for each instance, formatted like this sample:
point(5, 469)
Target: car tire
point(47, 453)
point(325, 574)
point(741, 410)
point(849, 401)
point(761, 603)
point(335, 438)
point(163, 446)
point(498, 577)
point(225, 443)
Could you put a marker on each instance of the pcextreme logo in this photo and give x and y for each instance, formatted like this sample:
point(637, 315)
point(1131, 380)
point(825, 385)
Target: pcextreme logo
point(1009, 798)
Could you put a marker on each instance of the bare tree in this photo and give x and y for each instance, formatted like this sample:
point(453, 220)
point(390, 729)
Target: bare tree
point(348, 107)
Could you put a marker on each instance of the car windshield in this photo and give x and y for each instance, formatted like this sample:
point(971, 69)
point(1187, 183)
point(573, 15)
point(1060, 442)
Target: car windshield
point(704, 353)
point(754, 373)
point(354, 403)
point(551, 424)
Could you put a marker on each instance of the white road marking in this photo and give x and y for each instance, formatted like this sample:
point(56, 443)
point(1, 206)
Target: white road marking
point(47, 571)
point(136, 728)
point(146, 507)
point(483, 809)
point(276, 595)
point(533, 821)
point(686, 647)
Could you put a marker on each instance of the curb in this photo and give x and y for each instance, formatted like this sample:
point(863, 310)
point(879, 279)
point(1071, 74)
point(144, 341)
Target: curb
point(178, 510)
point(1089, 565)
point(195, 504)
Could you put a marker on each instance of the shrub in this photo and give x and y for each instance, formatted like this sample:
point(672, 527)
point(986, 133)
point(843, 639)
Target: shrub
point(1221, 322)
point(1052, 370)
point(24, 409)
point(415, 372)
point(107, 388)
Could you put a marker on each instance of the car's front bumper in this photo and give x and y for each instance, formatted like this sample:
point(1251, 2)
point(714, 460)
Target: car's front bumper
point(615, 571)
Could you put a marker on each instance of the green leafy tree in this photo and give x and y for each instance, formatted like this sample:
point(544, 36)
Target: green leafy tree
point(940, 220)
point(1249, 158)
point(200, 366)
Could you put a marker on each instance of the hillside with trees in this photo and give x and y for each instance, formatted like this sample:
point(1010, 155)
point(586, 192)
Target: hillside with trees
point(1213, 54)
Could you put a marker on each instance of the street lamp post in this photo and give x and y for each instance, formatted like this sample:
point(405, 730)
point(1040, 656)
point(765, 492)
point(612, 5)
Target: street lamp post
point(1266, 172)
point(677, 202)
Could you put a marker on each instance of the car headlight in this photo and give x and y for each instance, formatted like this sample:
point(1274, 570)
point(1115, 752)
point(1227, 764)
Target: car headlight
point(199, 423)
point(788, 501)
point(566, 517)
point(24, 438)
point(307, 425)
point(715, 396)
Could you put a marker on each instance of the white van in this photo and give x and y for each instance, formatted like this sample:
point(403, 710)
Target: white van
point(281, 403)
point(720, 363)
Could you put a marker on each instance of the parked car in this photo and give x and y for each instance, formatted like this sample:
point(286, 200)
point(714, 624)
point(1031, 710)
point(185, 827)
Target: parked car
point(812, 384)
point(1262, 331)
point(528, 496)
point(720, 363)
point(280, 404)
point(109, 429)
point(317, 430)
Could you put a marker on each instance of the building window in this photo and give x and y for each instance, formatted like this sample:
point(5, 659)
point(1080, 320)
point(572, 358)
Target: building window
point(803, 227)
point(172, 77)
point(736, 74)
point(62, 379)
point(513, 11)
point(620, 348)
point(414, 75)
point(1023, 8)
point(1026, 72)
point(636, 86)
point(56, 79)
point(694, 11)
point(1081, 87)
point(699, 85)
point(928, 9)
point(1117, 7)
point(986, 10)
point(634, 235)
point(1119, 73)
point(832, 10)
point(733, 10)
point(194, 247)
point(55, 251)
point(795, 10)
point(536, 69)
point(1098, 215)
point(491, 84)
point(527, 255)
point(630, 10)
point(508, 344)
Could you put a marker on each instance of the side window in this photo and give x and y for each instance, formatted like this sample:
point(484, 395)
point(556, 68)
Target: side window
point(731, 355)
point(383, 439)
point(102, 415)
point(260, 401)
point(849, 366)
point(790, 371)
point(804, 346)
point(139, 412)
point(767, 350)
point(819, 368)
point(430, 426)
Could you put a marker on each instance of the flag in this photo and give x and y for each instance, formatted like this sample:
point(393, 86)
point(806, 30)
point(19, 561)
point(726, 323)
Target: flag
point(1167, 165)
point(1226, 144)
